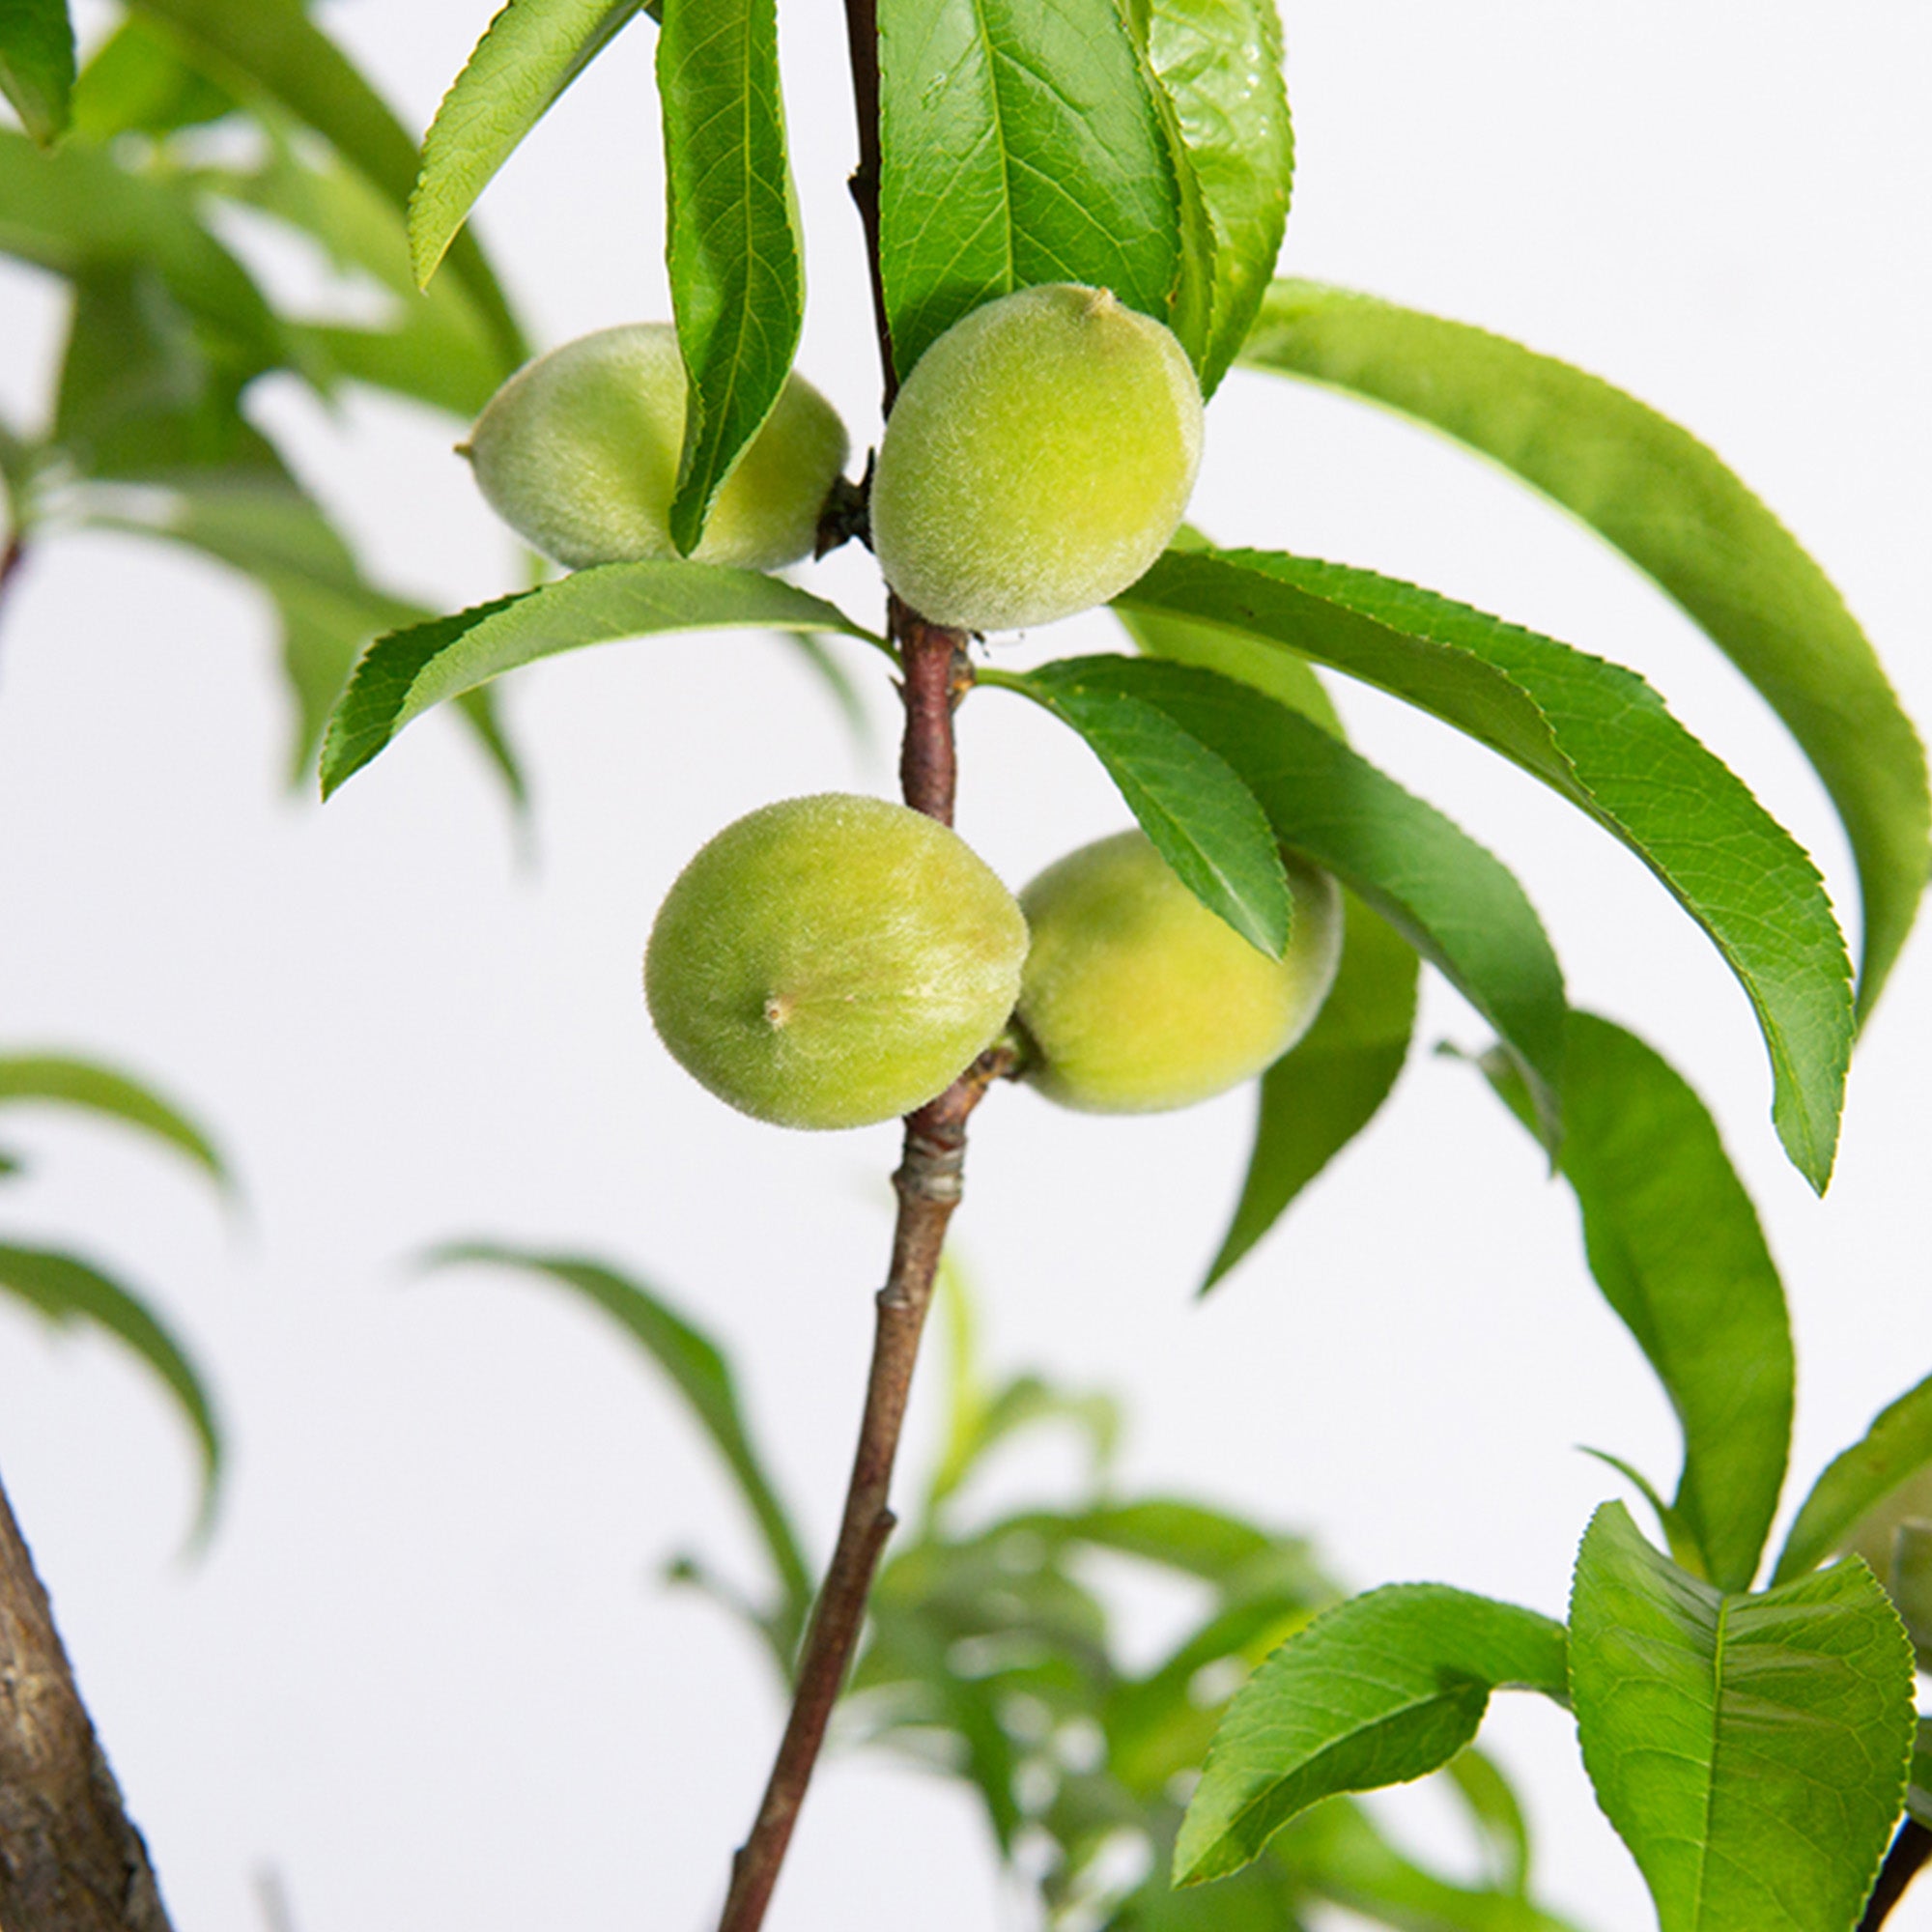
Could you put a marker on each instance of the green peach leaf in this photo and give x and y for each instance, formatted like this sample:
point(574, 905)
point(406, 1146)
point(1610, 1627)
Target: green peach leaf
point(65, 1290)
point(1602, 738)
point(1449, 899)
point(407, 672)
point(737, 278)
point(1219, 63)
point(75, 210)
point(1894, 1448)
point(697, 1369)
point(82, 1083)
point(1022, 142)
point(527, 57)
point(36, 66)
point(1750, 1751)
point(1378, 1691)
point(1663, 499)
point(273, 47)
point(1675, 1246)
point(1203, 820)
point(1319, 1095)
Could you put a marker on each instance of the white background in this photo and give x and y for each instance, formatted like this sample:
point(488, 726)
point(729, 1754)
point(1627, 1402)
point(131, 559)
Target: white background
point(425, 1673)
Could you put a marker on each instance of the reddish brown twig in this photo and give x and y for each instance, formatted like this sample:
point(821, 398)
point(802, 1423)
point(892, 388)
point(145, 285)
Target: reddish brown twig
point(71, 1860)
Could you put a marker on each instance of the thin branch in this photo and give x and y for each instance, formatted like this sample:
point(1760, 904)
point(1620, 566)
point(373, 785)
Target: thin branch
point(862, 35)
point(929, 1184)
point(13, 554)
point(1909, 1851)
point(71, 1860)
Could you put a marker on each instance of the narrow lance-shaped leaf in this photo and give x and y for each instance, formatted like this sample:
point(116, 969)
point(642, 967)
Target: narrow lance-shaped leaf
point(137, 81)
point(1598, 736)
point(1201, 817)
point(37, 65)
point(409, 671)
point(701, 1374)
point(1675, 1243)
point(1321, 1093)
point(273, 45)
point(528, 55)
point(737, 281)
point(1444, 894)
point(1219, 63)
point(1896, 1447)
point(66, 1288)
point(1664, 499)
point(101, 1089)
point(1750, 1751)
point(1020, 144)
point(1376, 1691)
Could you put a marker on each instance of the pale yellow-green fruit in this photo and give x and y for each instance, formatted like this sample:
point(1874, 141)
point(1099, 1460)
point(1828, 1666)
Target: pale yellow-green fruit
point(833, 960)
point(577, 453)
point(1037, 460)
point(1136, 998)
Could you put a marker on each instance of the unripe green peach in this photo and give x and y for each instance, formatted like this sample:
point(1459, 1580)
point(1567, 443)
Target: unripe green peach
point(577, 453)
point(832, 961)
point(1137, 998)
point(1038, 457)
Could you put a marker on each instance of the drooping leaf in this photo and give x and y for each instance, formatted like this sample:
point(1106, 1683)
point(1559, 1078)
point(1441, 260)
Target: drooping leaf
point(1319, 1095)
point(528, 55)
point(74, 211)
point(101, 1089)
point(1219, 63)
point(37, 65)
point(737, 278)
point(1600, 737)
point(1348, 1860)
point(1675, 1243)
point(1201, 817)
point(273, 47)
point(1444, 893)
point(1896, 1447)
point(407, 672)
point(265, 527)
point(1679, 515)
point(701, 1374)
point(1378, 1691)
point(1750, 1751)
point(1284, 677)
point(1021, 143)
point(434, 347)
point(1496, 1813)
point(148, 391)
point(137, 82)
point(65, 1290)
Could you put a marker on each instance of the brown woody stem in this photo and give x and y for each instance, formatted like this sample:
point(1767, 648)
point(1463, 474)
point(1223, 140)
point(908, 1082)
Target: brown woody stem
point(71, 1860)
point(928, 1184)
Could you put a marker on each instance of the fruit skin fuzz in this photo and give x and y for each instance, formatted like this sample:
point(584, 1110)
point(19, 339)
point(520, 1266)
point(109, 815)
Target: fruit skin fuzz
point(577, 452)
point(1136, 998)
point(832, 961)
point(1040, 456)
